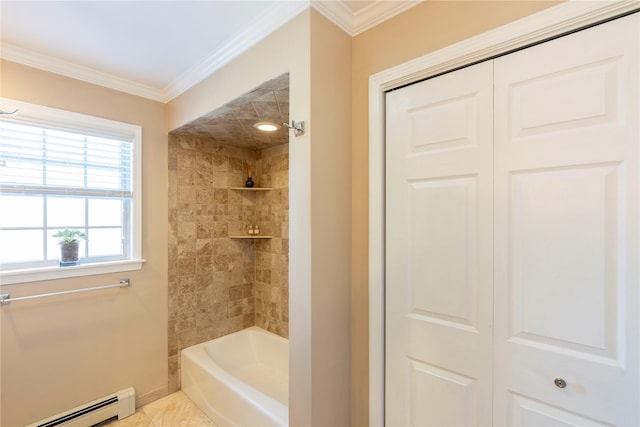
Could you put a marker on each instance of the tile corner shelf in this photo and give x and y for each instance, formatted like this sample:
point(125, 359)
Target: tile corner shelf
point(251, 188)
point(251, 237)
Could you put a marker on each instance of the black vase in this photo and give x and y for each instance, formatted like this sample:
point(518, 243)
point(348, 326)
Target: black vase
point(249, 183)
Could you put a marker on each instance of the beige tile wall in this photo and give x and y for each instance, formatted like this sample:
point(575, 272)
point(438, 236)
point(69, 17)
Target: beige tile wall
point(272, 256)
point(212, 277)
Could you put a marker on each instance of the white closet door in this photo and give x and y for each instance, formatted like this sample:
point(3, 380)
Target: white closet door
point(566, 230)
point(439, 251)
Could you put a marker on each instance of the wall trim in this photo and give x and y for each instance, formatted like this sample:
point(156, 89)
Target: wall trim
point(378, 12)
point(68, 69)
point(552, 22)
point(151, 396)
point(362, 20)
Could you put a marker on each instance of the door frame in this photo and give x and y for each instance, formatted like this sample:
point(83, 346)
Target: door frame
point(553, 22)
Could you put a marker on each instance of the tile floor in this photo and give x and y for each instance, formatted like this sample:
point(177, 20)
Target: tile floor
point(174, 410)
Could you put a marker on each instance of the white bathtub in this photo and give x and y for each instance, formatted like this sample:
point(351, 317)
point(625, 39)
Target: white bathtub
point(240, 379)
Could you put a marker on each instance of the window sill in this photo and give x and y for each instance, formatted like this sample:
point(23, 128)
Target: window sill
point(11, 277)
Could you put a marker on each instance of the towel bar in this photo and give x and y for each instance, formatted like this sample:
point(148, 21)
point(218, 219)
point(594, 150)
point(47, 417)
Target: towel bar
point(6, 298)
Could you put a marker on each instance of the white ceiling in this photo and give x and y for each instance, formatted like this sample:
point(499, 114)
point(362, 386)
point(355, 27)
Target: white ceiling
point(158, 49)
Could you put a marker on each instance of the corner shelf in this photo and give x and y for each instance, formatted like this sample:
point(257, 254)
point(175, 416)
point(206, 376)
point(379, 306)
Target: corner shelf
point(250, 189)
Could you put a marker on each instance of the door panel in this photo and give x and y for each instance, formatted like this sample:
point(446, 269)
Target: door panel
point(566, 250)
point(531, 413)
point(576, 274)
point(432, 203)
point(440, 397)
point(583, 96)
point(438, 251)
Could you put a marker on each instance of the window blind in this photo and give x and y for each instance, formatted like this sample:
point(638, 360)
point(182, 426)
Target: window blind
point(44, 160)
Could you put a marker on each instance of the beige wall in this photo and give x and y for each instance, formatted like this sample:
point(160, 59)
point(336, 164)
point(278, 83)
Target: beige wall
point(423, 29)
point(330, 222)
point(64, 351)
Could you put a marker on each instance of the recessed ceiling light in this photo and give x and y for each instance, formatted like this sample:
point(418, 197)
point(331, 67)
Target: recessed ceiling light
point(266, 126)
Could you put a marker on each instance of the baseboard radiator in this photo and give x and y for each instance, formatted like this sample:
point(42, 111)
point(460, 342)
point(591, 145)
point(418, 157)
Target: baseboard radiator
point(120, 404)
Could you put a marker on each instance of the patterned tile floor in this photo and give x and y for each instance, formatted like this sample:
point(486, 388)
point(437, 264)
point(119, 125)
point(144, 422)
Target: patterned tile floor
point(175, 410)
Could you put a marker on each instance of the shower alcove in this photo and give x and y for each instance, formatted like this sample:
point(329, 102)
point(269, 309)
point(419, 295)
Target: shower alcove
point(220, 279)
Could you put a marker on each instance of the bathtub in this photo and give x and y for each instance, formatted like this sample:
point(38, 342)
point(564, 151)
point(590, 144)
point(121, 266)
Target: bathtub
point(241, 379)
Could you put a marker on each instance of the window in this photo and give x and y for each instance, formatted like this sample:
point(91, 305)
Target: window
point(62, 170)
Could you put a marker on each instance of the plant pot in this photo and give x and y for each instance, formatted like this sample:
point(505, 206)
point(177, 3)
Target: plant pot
point(69, 253)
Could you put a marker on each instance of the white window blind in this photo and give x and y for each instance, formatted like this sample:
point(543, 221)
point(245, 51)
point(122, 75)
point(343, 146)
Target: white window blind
point(40, 160)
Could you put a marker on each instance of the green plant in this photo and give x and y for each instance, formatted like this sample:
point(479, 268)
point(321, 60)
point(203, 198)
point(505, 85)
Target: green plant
point(69, 236)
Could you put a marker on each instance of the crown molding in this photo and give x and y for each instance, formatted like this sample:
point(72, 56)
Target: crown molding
point(364, 19)
point(275, 17)
point(68, 69)
point(379, 12)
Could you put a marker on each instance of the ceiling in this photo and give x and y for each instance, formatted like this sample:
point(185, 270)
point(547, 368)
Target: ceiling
point(158, 49)
point(232, 124)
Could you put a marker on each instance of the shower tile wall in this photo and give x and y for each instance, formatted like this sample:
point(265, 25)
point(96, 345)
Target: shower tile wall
point(219, 285)
point(211, 277)
point(272, 256)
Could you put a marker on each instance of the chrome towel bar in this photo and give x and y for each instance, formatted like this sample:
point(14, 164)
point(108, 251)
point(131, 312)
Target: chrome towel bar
point(6, 298)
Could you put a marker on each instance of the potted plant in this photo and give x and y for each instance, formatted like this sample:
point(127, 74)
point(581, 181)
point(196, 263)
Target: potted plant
point(69, 240)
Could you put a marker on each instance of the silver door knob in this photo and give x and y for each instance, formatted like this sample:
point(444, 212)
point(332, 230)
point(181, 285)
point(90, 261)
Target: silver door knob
point(560, 383)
